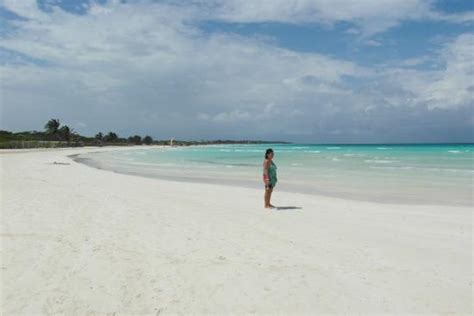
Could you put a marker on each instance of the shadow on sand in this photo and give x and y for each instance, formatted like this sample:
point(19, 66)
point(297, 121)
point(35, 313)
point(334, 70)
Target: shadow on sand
point(281, 208)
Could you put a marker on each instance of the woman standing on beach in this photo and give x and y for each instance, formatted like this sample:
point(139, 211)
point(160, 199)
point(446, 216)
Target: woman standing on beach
point(269, 176)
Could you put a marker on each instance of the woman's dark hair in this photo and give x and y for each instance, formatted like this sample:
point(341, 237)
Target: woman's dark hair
point(268, 152)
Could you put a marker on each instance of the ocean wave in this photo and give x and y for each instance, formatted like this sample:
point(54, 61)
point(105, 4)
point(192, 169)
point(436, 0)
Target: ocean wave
point(248, 150)
point(454, 151)
point(423, 169)
point(383, 148)
point(380, 161)
point(241, 150)
point(312, 151)
point(333, 147)
point(212, 162)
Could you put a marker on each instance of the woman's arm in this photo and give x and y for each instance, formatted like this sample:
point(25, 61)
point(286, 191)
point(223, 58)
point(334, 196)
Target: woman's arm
point(266, 165)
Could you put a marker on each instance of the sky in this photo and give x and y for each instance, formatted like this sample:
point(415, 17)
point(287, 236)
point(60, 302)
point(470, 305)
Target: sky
point(308, 71)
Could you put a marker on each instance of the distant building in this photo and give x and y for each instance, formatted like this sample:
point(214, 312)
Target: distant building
point(171, 141)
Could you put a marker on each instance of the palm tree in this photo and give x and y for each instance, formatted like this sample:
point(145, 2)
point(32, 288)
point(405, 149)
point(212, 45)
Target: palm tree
point(111, 137)
point(137, 139)
point(66, 133)
point(52, 127)
point(147, 140)
point(99, 136)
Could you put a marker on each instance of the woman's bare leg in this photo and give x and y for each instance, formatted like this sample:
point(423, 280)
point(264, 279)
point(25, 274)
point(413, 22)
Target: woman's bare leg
point(268, 195)
point(266, 198)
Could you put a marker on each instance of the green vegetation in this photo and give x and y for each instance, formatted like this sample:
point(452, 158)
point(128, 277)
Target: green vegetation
point(52, 128)
point(147, 140)
point(137, 140)
point(55, 135)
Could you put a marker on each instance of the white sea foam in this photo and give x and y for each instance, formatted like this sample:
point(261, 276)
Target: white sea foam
point(333, 147)
point(380, 161)
point(248, 150)
point(125, 160)
point(422, 169)
point(312, 151)
point(145, 163)
point(454, 151)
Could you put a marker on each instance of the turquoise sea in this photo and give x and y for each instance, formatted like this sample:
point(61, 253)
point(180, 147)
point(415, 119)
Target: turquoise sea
point(421, 174)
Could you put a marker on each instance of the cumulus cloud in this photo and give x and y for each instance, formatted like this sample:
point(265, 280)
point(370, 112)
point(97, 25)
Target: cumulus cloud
point(367, 16)
point(27, 8)
point(451, 86)
point(454, 86)
point(148, 67)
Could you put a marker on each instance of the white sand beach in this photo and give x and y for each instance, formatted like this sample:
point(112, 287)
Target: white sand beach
point(83, 241)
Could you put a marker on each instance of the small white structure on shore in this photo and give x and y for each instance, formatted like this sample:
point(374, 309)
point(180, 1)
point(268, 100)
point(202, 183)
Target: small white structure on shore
point(171, 141)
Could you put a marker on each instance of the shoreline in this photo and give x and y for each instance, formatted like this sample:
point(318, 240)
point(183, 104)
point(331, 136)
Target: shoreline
point(79, 240)
point(300, 189)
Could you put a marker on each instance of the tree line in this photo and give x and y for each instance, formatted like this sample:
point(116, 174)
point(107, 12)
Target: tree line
point(54, 132)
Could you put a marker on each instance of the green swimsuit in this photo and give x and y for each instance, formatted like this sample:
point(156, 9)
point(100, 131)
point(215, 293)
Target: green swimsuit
point(272, 174)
